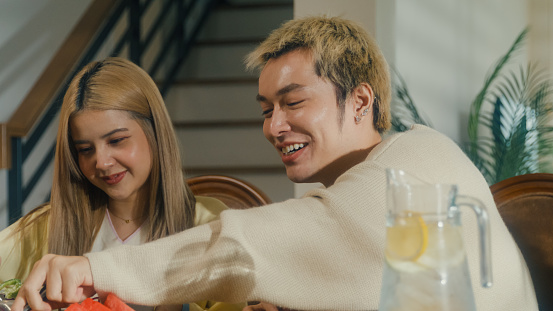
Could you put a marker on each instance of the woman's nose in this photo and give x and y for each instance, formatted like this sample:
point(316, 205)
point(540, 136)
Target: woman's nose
point(104, 160)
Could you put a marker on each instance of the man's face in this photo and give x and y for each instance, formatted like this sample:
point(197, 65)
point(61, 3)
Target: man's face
point(302, 118)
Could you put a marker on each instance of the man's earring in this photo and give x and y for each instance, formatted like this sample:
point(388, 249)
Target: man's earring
point(364, 113)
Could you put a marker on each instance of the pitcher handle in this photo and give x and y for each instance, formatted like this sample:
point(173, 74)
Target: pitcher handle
point(484, 230)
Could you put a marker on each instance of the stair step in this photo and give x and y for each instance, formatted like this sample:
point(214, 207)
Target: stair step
point(244, 5)
point(208, 81)
point(216, 62)
point(235, 170)
point(229, 41)
point(256, 21)
point(207, 102)
point(226, 147)
point(218, 124)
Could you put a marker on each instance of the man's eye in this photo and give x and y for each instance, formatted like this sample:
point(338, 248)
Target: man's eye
point(267, 113)
point(296, 102)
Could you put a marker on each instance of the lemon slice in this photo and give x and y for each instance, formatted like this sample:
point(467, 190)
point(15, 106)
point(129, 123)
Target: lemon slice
point(445, 247)
point(407, 239)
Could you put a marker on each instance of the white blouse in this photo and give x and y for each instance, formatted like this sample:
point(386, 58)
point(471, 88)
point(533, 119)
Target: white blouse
point(107, 236)
point(207, 209)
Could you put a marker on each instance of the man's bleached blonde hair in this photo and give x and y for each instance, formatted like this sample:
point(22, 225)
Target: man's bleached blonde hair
point(343, 52)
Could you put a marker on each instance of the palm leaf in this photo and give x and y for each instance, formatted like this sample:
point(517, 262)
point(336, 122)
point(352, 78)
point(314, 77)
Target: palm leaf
point(509, 121)
point(404, 111)
point(476, 105)
point(516, 122)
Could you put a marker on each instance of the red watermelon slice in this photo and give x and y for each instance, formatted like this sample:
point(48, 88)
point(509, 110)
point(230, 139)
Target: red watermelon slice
point(112, 303)
point(75, 307)
point(115, 304)
point(90, 304)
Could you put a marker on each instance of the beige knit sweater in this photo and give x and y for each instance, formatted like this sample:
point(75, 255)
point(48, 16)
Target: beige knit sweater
point(321, 252)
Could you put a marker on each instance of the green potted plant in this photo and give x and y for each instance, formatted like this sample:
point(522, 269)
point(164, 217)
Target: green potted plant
point(508, 128)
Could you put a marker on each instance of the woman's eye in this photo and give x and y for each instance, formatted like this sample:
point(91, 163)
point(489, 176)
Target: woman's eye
point(267, 113)
point(115, 141)
point(84, 150)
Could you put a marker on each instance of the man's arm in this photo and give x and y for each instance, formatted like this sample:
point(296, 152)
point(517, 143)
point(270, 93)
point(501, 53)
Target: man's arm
point(291, 254)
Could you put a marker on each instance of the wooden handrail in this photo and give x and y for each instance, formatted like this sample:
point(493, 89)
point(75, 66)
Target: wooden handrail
point(51, 80)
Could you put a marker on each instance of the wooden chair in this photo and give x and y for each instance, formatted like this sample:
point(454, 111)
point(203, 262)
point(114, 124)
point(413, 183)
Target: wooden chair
point(235, 193)
point(526, 205)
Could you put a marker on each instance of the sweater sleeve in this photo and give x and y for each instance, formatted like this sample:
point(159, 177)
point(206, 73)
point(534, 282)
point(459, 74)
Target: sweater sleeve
point(10, 255)
point(327, 242)
point(321, 252)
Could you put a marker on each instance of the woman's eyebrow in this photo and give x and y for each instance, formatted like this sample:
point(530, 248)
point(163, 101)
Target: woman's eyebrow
point(123, 129)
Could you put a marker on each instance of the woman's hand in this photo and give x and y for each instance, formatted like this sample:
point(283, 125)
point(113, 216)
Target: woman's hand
point(67, 279)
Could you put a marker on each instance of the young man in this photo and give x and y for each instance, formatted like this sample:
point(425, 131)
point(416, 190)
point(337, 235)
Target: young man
point(325, 93)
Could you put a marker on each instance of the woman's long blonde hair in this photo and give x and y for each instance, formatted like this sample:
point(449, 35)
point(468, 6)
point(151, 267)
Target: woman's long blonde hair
point(77, 208)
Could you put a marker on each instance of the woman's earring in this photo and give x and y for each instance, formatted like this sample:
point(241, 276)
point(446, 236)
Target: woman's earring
point(365, 111)
point(357, 119)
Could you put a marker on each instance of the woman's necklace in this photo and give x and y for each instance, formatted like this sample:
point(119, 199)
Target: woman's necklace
point(123, 219)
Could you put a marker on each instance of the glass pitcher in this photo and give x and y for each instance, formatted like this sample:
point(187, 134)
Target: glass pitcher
point(425, 262)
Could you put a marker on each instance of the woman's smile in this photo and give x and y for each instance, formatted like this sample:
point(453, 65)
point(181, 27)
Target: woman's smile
point(114, 178)
point(113, 152)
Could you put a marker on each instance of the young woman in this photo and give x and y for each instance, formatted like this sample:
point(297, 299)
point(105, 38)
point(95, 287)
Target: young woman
point(117, 175)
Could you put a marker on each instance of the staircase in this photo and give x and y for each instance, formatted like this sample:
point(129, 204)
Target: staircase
point(212, 102)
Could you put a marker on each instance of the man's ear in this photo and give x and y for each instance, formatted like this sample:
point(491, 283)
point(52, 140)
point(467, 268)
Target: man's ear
point(363, 98)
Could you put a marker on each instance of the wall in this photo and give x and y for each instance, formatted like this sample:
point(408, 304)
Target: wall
point(445, 49)
point(30, 33)
point(540, 16)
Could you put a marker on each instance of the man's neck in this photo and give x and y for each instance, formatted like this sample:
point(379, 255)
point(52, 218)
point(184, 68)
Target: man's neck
point(344, 163)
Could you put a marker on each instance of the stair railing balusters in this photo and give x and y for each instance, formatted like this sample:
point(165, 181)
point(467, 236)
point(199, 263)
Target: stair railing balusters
point(17, 192)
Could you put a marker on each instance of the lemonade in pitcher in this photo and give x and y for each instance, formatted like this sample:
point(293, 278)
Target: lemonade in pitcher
point(425, 265)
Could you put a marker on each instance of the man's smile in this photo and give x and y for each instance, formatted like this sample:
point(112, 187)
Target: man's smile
point(290, 149)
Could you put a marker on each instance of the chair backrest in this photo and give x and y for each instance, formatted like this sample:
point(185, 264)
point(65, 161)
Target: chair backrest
point(235, 193)
point(525, 203)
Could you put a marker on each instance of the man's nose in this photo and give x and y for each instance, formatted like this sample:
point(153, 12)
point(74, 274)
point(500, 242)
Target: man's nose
point(279, 123)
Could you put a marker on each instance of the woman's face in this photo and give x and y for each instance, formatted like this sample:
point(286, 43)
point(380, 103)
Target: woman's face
point(113, 153)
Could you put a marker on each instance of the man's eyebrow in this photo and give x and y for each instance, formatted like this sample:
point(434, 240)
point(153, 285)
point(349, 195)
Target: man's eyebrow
point(287, 89)
point(260, 98)
point(123, 129)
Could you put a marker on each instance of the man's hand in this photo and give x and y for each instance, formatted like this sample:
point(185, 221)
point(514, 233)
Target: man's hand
point(67, 279)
